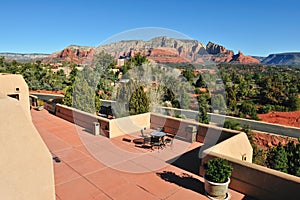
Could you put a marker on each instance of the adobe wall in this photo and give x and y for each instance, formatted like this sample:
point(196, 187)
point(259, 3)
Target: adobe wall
point(26, 163)
point(127, 125)
point(14, 84)
point(109, 127)
point(254, 125)
point(83, 119)
point(207, 134)
point(258, 181)
point(238, 147)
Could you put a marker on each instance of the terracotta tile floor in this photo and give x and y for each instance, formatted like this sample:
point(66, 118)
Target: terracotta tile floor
point(95, 167)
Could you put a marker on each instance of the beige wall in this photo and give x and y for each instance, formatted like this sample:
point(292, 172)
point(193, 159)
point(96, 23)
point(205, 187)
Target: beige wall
point(258, 181)
point(14, 84)
point(26, 164)
point(207, 134)
point(127, 125)
point(238, 147)
point(83, 119)
point(109, 127)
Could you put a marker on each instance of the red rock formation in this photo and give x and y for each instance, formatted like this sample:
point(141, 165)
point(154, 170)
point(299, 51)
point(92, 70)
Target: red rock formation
point(224, 57)
point(166, 55)
point(74, 54)
point(160, 49)
point(241, 58)
point(213, 48)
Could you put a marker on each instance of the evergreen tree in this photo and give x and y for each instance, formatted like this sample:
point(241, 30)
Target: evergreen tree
point(201, 82)
point(68, 97)
point(83, 95)
point(189, 75)
point(203, 116)
point(277, 158)
point(139, 102)
point(232, 124)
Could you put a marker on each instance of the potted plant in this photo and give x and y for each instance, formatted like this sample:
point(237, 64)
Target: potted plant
point(217, 178)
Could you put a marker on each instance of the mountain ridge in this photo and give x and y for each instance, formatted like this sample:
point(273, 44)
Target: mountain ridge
point(159, 49)
point(286, 58)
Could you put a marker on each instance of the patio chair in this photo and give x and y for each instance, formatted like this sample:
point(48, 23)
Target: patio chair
point(146, 137)
point(170, 139)
point(159, 129)
point(156, 141)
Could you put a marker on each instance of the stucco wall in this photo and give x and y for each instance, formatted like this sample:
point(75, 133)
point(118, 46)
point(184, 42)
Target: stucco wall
point(83, 119)
point(207, 134)
point(127, 125)
point(258, 181)
point(109, 127)
point(14, 84)
point(255, 125)
point(238, 147)
point(26, 163)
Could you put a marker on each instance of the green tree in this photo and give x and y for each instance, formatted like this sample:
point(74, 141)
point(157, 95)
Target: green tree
point(189, 75)
point(201, 82)
point(203, 116)
point(293, 102)
point(293, 155)
point(218, 103)
point(277, 158)
point(139, 102)
point(83, 95)
point(248, 109)
point(232, 124)
point(68, 97)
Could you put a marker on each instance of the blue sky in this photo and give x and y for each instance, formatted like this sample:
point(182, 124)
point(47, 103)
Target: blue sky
point(254, 27)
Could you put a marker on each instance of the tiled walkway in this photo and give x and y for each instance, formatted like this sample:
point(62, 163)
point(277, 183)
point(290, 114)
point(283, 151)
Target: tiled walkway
point(94, 167)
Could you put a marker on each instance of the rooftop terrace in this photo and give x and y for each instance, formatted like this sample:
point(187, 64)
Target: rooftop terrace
point(95, 167)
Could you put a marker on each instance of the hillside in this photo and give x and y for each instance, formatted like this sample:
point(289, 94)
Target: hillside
point(170, 50)
point(21, 57)
point(283, 59)
point(160, 49)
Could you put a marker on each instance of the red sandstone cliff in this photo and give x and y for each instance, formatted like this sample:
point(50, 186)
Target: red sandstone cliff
point(74, 54)
point(160, 49)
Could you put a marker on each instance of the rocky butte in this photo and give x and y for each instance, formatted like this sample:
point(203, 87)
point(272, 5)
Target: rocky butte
point(159, 49)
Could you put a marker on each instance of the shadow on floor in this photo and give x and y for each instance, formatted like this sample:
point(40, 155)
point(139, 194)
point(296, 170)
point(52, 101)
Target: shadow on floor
point(184, 180)
point(188, 161)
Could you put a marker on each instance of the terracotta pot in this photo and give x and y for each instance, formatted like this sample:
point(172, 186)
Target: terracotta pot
point(216, 190)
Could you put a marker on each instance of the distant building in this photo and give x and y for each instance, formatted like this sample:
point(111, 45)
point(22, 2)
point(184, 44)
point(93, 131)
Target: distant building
point(120, 62)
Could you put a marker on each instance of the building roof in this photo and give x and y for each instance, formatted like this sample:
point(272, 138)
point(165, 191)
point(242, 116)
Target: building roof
point(82, 175)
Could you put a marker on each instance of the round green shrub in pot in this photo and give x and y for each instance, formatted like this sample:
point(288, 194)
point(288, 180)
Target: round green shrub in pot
point(217, 177)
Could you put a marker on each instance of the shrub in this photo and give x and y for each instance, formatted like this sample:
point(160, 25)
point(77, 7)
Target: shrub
point(232, 124)
point(182, 116)
point(277, 158)
point(217, 170)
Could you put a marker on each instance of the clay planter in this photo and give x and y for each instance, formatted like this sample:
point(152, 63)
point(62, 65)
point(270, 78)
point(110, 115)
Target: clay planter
point(216, 190)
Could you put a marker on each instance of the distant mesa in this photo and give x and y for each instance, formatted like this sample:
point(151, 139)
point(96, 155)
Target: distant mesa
point(73, 53)
point(160, 49)
point(283, 59)
point(23, 57)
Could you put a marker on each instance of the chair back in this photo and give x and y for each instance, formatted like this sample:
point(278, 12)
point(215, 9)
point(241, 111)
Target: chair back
point(142, 132)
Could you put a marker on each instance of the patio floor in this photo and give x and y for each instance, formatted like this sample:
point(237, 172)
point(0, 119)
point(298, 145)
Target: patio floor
point(95, 167)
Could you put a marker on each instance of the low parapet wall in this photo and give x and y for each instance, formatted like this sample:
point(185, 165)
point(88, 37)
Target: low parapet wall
point(127, 125)
point(254, 125)
point(205, 133)
point(109, 127)
point(83, 119)
point(258, 181)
